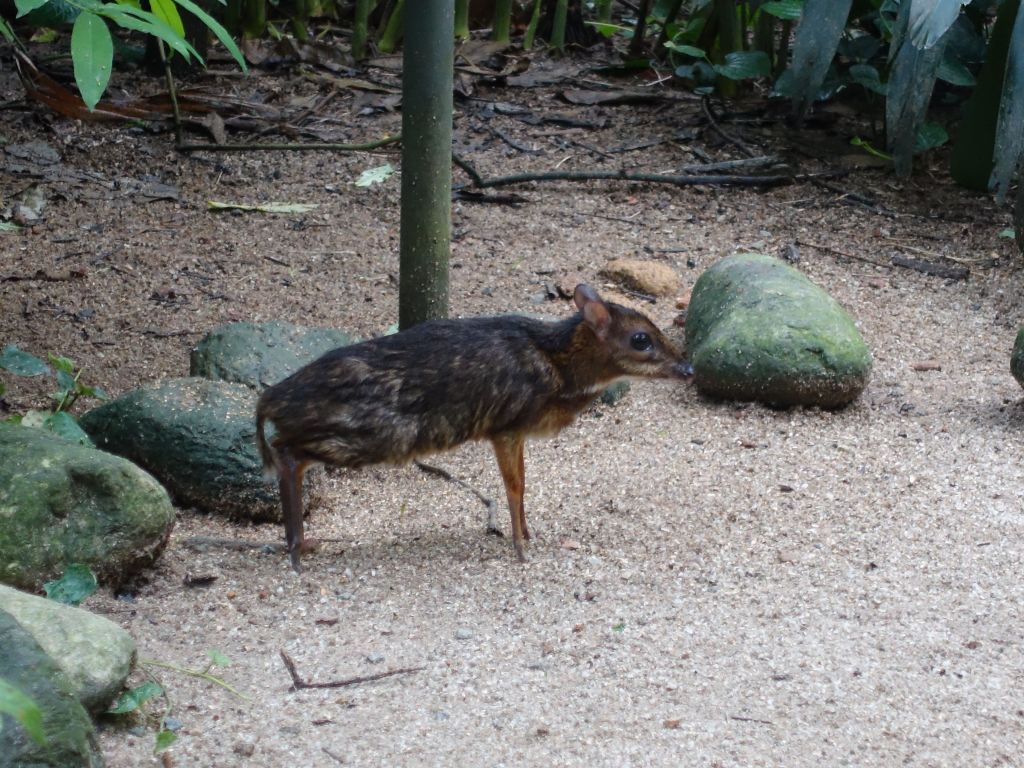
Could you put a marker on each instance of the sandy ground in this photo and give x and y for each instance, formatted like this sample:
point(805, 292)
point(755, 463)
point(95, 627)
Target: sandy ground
point(710, 584)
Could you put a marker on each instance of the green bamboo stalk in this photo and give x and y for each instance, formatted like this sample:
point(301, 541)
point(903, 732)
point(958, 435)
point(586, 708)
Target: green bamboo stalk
point(636, 45)
point(393, 31)
point(361, 28)
point(502, 20)
point(531, 28)
point(558, 25)
point(254, 17)
point(670, 17)
point(461, 19)
point(425, 232)
point(604, 11)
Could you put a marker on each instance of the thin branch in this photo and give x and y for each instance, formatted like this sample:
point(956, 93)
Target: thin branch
point(299, 684)
point(299, 147)
point(706, 105)
point(844, 254)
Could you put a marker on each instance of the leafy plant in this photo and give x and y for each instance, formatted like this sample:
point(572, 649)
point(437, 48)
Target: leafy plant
point(19, 706)
point(92, 47)
point(70, 389)
point(76, 584)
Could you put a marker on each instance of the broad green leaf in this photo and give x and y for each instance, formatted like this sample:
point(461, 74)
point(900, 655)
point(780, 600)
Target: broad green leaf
point(372, 176)
point(27, 6)
point(86, 391)
point(1008, 233)
point(19, 706)
point(929, 20)
point(745, 65)
point(215, 27)
point(867, 76)
point(686, 50)
point(218, 658)
point(954, 72)
point(215, 205)
point(65, 381)
point(929, 136)
point(77, 583)
point(817, 38)
point(7, 226)
point(167, 12)
point(787, 10)
point(164, 739)
point(1009, 142)
point(130, 17)
point(607, 29)
point(92, 53)
point(22, 363)
point(135, 697)
point(857, 141)
point(64, 424)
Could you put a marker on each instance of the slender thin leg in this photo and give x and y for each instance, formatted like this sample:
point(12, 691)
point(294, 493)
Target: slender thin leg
point(290, 474)
point(508, 449)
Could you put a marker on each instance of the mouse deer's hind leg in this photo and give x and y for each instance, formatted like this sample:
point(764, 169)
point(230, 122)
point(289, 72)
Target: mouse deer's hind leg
point(290, 474)
point(509, 451)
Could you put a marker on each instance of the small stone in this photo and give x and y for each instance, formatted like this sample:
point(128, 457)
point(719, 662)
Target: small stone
point(244, 747)
point(462, 633)
point(375, 658)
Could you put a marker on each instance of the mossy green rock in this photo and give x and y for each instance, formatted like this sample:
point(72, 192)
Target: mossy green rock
point(94, 653)
point(198, 437)
point(261, 354)
point(758, 329)
point(63, 503)
point(1017, 358)
point(70, 738)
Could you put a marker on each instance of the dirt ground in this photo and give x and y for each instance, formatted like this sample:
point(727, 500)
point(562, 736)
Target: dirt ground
point(710, 584)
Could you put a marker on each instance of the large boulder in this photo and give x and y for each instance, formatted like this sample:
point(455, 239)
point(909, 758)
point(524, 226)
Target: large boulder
point(70, 741)
point(758, 329)
point(62, 503)
point(261, 354)
point(94, 653)
point(198, 437)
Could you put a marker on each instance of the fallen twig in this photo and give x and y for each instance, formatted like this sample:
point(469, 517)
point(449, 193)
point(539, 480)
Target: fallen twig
point(298, 147)
point(706, 105)
point(930, 268)
point(299, 684)
point(838, 252)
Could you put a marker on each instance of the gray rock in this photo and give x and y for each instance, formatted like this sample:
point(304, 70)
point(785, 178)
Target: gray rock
point(1017, 358)
point(63, 503)
point(261, 354)
point(94, 654)
point(758, 329)
point(70, 738)
point(198, 437)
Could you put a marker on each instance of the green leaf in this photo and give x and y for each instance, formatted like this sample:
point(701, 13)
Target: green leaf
point(143, 21)
point(787, 10)
point(929, 136)
point(64, 424)
point(621, 626)
point(27, 6)
point(372, 176)
point(686, 50)
point(867, 76)
point(215, 27)
point(214, 205)
point(19, 706)
point(1010, 233)
point(164, 739)
point(135, 697)
point(218, 658)
point(745, 65)
point(954, 72)
point(8, 34)
point(857, 141)
point(167, 12)
point(77, 583)
point(606, 29)
point(92, 53)
point(65, 381)
point(7, 226)
point(22, 363)
point(62, 363)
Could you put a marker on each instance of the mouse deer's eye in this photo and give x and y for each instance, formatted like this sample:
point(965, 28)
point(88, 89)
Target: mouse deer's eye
point(641, 341)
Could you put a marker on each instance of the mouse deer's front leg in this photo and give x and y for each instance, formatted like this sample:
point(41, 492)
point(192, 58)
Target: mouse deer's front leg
point(508, 448)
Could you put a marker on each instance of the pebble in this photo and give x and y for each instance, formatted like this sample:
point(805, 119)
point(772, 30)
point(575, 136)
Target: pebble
point(462, 633)
point(375, 658)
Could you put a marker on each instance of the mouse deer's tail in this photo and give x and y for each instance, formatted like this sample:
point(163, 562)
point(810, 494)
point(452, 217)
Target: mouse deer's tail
point(266, 452)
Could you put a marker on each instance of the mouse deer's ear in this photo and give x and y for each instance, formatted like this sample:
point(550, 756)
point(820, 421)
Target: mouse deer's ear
point(595, 313)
